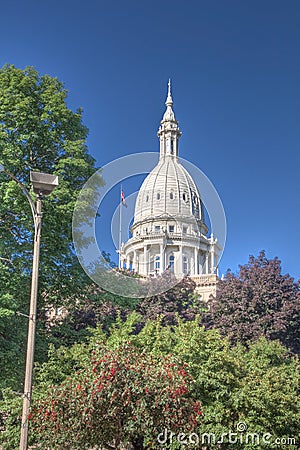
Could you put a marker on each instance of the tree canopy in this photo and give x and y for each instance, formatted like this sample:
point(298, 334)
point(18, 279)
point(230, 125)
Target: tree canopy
point(37, 132)
point(129, 372)
point(258, 301)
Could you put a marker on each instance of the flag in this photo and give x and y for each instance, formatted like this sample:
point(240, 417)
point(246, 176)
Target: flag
point(123, 199)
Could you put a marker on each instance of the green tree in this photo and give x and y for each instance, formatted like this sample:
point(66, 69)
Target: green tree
point(267, 399)
point(258, 385)
point(37, 132)
point(102, 307)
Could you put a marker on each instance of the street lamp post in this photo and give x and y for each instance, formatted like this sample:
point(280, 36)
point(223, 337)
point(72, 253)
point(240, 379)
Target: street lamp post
point(43, 184)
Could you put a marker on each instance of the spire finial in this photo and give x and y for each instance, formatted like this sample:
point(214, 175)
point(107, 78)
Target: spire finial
point(169, 132)
point(169, 101)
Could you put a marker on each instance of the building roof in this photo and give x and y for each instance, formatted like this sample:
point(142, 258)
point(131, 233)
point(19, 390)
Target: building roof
point(168, 190)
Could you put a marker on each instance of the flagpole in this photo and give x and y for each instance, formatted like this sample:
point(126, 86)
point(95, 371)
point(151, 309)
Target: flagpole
point(120, 230)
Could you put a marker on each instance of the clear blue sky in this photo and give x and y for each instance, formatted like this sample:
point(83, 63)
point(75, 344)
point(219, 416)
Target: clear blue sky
point(236, 85)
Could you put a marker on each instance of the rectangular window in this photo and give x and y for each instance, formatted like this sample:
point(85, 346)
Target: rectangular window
point(184, 230)
point(157, 262)
point(171, 228)
point(185, 265)
point(171, 263)
point(157, 228)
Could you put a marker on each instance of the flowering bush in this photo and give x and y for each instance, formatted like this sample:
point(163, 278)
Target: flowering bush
point(124, 396)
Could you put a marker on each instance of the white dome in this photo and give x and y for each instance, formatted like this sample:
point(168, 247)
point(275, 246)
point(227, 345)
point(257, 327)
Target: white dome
point(168, 190)
point(168, 231)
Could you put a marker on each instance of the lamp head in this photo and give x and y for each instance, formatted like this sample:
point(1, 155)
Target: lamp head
point(43, 183)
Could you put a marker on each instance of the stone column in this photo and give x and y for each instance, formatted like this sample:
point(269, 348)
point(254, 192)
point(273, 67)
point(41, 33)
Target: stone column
point(206, 264)
point(134, 262)
point(180, 268)
point(128, 262)
point(212, 259)
point(200, 266)
point(145, 268)
point(162, 258)
point(196, 264)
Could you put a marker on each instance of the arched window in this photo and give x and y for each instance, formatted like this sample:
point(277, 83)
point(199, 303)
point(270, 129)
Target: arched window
point(172, 146)
point(184, 196)
point(171, 263)
point(171, 195)
point(185, 264)
point(158, 196)
point(157, 262)
point(147, 198)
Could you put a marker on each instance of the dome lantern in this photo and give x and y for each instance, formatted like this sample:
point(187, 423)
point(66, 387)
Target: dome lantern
point(169, 132)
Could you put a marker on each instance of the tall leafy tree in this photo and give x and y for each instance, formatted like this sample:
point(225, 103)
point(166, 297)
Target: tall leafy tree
point(258, 301)
point(38, 132)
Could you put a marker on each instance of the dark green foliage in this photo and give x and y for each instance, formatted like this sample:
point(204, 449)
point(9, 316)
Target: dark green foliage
point(179, 301)
point(37, 132)
point(98, 306)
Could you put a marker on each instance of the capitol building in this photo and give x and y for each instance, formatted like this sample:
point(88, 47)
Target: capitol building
point(169, 230)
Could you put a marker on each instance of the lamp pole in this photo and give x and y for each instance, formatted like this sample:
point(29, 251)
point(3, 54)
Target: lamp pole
point(31, 325)
point(43, 184)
